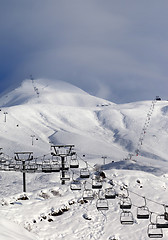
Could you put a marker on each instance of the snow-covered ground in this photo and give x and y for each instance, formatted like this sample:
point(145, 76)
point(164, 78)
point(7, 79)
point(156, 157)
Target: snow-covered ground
point(41, 113)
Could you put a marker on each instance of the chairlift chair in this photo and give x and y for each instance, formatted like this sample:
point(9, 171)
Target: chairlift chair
point(84, 173)
point(96, 184)
point(102, 204)
point(125, 203)
point(154, 232)
point(46, 168)
point(75, 185)
point(6, 166)
point(12, 166)
point(74, 163)
point(126, 218)
point(161, 222)
point(110, 193)
point(166, 212)
point(143, 212)
point(88, 194)
point(31, 168)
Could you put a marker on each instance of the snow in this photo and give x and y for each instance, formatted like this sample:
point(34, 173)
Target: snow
point(56, 112)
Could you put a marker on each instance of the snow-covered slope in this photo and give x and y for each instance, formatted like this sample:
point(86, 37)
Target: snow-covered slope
point(41, 113)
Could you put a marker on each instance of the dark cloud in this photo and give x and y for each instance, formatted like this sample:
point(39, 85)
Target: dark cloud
point(113, 49)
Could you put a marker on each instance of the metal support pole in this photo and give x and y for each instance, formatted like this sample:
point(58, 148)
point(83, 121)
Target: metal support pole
point(63, 169)
point(24, 177)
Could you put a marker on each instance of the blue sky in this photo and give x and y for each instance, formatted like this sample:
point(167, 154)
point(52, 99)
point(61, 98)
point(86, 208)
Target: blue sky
point(113, 49)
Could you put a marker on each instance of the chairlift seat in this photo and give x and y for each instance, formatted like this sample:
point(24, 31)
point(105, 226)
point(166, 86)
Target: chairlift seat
point(74, 163)
point(110, 193)
point(46, 168)
point(96, 184)
point(143, 213)
point(55, 167)
point(102, 204)
point(161, 222)
point(84, 173)
point(88, 194)
point(75, 185)
point(125, 203)
point(126, 218)
point(154, 232)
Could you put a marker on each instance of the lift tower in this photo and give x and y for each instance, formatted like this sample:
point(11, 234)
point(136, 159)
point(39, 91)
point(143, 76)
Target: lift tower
point(62, 151)
point(23, 157)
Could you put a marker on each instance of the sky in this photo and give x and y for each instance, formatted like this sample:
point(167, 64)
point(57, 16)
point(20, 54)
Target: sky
point(117, 50)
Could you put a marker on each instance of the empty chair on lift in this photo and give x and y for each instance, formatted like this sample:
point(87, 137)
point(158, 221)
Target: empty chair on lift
point(126, 218)
point(143, 211)
point(74, 163)
point(46, 165)
point(161, 222)
point(153, 231)
point(125, 203)
point(84, 173)
point(102, 204)
point(96, 183)
point(166, 212)
point(110, 193)
point(88, 193)
point(75, 185)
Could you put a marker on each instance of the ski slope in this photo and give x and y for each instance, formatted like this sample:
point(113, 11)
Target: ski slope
point(43, 112)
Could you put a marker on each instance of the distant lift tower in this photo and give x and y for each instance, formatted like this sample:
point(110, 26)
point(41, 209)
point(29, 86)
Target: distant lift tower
point(63, 151)
point(23, 157)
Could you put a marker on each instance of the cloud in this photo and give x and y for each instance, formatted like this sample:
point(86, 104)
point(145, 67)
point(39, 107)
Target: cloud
point(113, 49)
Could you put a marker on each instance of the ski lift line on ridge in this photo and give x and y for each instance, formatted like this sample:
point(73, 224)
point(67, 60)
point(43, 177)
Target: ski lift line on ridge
point(145, 127)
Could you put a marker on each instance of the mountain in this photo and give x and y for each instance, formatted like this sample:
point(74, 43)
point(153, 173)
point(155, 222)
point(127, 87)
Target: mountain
point(128, 141)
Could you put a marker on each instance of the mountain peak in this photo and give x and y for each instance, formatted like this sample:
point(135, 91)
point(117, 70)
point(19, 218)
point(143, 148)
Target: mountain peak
point(48, 91)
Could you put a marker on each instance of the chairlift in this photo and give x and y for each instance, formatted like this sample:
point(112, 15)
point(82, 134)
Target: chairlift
point(125, 203)
point(166, 212)
point(84, 173)
point(74, 163)
point(161, 222)
point(154, 232)
point(46, 165)
point(88, 194)
point(31, 168)
point(6, 166)
point(75, 185)
point(12, 166)
point(126, 218)
point(110, 193)
point(102, 204)
point(55, 167)
point(96, 183)
point(143, 211)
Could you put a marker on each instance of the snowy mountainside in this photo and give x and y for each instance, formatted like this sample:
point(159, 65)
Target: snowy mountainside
point(43, 112)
